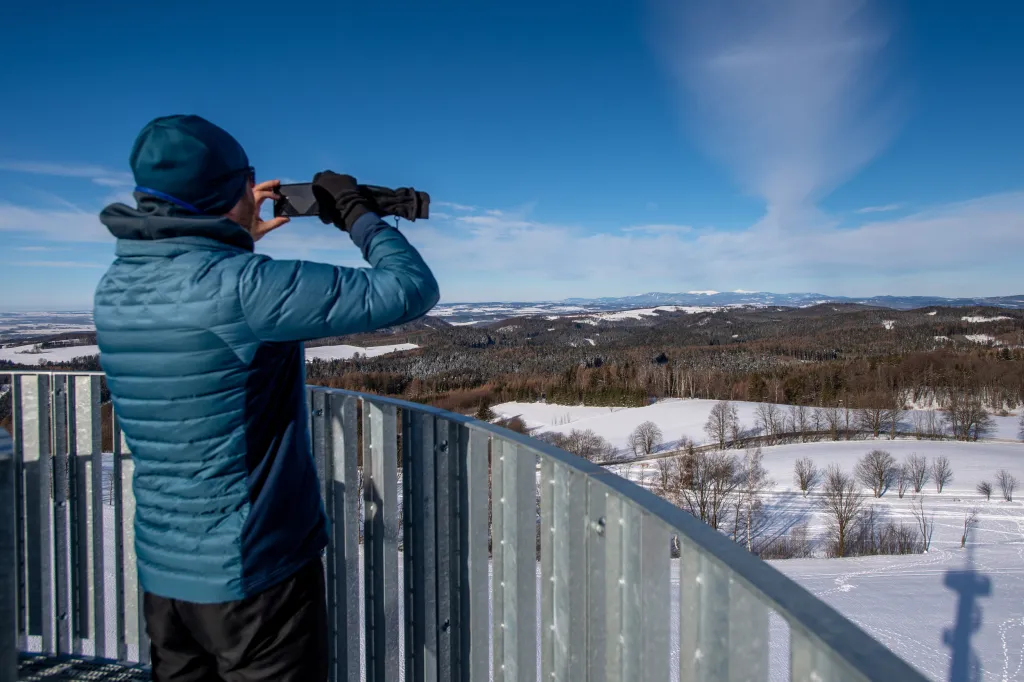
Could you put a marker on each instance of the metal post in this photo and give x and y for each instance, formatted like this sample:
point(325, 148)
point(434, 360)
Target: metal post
point(17, 412)
point(421, 525)
point(519, 573)
point(61, 562)
point(8, 561)
point(446, 617)
point(89, 440)
point(381, 542)
point(35, 394)
point(343, 580)
point(473, 539)
point(116, 496)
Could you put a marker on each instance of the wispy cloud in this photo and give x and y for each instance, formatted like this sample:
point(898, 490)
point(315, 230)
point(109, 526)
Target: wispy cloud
point(53, 225)
point(453, 206)
point(35, 248)
point(659, 229)
point(943, 250)
point(791, 94)
point(880, 209)
point(97, 174)
point(516, 256)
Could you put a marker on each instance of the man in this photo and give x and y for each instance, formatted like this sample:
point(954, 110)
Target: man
point(201, 342)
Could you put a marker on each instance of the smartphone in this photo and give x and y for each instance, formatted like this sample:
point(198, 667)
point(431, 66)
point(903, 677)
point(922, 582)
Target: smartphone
point(297, 201)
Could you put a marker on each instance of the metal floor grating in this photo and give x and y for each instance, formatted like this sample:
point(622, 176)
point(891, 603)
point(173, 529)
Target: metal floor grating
point(32, 667)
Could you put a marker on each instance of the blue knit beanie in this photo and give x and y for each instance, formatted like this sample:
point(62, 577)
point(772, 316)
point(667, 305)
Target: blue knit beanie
point(190, 162)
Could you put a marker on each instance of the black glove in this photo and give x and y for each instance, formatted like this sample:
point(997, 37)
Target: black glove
point(340, 200)
point(404, 202)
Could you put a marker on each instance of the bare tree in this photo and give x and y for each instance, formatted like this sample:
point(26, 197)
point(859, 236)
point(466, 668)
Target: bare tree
point(807, 475)
point(925, 521)
point(895, 413)
point(871, 417)
point(970, 519)
point(753, 482)
point(985, 488)
point(1007, 484)
point(1020, 426)
point(919, 420)
point(586, 444)
point(800, 421)
point(644, 439)
point(769, 417)
point(934, 425)
point(920, 473)
point(877, 470)
point(841, 501)
point(722, 423)
point(705, 483)
point(818, 422)
point(834, 420)
point(942, 472)
point(966, 416)
point(902, 479)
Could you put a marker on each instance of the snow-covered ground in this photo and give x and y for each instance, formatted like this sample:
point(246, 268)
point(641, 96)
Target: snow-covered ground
point(641, 313)
point(344, 352)
point(677, 418)
point(27, 355)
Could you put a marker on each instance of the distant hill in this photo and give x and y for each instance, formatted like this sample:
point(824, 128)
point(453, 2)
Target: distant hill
point(797, 300)
point(40, 325)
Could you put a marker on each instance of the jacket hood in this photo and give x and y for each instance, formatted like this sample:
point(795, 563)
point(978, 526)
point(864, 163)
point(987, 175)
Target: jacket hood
point(155, 219)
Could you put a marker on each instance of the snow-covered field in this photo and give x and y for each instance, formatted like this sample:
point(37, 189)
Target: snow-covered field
point(344, 352)
point(27, 355)
point(676, 418)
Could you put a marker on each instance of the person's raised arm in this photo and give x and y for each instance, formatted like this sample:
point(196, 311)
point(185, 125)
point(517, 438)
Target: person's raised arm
point(301, 300)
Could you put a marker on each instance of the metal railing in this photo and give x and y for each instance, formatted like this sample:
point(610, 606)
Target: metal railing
point(466, 552)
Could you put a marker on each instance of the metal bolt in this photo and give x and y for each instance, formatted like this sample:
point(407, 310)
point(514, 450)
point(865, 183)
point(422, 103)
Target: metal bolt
point(443, 446)
point(599, 526)
point(318, 413)
point(447, 626)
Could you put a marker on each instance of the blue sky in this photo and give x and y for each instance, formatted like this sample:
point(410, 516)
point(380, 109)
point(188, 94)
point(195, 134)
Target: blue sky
point(844, 147)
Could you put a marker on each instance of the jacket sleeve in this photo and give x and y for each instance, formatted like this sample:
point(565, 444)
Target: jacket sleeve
point(299, 300)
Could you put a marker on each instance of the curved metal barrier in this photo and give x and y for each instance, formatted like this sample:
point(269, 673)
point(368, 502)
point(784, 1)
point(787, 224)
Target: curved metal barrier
point(459, 551)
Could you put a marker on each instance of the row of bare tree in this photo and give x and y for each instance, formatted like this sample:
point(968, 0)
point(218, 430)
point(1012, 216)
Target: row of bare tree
point(963, 418)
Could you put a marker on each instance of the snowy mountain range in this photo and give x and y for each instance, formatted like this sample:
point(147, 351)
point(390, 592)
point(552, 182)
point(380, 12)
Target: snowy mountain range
point(23, 325)
point(797, 300)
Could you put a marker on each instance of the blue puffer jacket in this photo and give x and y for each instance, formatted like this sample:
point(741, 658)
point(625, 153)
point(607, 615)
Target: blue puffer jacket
point(200, 340)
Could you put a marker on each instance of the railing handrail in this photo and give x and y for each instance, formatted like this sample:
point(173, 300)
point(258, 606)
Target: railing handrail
point(797, 605)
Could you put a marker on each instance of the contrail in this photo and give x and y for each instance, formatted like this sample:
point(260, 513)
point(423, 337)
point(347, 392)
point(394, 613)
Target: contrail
point(789, 94)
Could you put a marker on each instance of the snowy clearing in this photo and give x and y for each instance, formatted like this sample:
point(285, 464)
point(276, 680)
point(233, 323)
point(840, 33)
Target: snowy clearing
point(981, 338)
point(28, 355)
point(985, 319)
point(889, 324)
point(344, 352)
point(677, 418)
point(640, 313)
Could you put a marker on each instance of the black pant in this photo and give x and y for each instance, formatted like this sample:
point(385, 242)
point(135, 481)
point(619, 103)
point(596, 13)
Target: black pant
point(279, 634)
